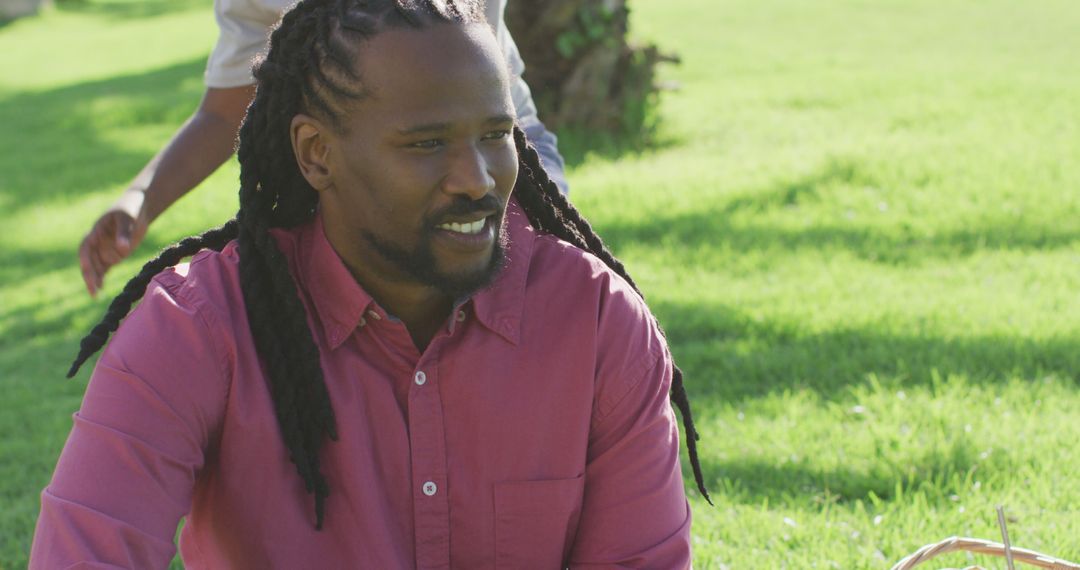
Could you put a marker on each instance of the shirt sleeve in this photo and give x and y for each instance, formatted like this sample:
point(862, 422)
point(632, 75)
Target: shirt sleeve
point(547, 147)
point(243, 30)
point(544, 140)
point(127, 473)
point(635, 513)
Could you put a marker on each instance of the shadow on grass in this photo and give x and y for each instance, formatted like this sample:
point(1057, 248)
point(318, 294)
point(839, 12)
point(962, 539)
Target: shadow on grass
point(730, 357)
point(938, 472)
point(56, 143)
point(49, 317)
point(128, 9)
point(20, 323)
point(27, 322)
point(17, 264)
point(35, 417)
point(724, 226)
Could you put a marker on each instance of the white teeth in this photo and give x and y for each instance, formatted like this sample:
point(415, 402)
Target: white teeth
point(467, 228)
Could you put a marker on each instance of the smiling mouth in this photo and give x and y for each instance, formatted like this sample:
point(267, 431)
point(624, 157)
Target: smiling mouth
point(467, 228)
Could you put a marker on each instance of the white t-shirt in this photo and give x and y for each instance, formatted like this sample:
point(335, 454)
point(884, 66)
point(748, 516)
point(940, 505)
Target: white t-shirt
point(245, 25)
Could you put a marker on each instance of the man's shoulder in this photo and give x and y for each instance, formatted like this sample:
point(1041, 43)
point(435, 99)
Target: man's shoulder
point(576, 285)
point(208, 284)
point(596, 316)
point(180, 340)
point(579, 272)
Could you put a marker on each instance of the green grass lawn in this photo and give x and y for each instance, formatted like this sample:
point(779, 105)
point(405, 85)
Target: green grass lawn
point(860, 226)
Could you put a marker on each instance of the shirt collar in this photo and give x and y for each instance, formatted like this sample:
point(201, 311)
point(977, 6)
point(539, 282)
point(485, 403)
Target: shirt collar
point(340, 302)
point(499, 306)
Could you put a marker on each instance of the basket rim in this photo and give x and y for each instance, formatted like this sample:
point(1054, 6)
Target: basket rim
point(980, 546)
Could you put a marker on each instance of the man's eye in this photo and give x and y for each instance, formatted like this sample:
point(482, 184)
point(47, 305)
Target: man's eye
point(427, 145)
point(496, 135)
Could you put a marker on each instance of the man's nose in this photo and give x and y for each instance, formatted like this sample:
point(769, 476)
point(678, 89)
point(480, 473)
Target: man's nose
point(469, 174)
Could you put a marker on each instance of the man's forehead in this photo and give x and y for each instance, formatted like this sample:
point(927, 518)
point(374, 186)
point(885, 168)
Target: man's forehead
point(440, 74)
point(409, 57)
point(497, 120)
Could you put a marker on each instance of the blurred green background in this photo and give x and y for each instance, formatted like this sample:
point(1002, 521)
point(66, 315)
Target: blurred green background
point(859, 222)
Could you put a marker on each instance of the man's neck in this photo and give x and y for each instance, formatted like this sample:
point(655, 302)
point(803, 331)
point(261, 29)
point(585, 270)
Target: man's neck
point(422, 308)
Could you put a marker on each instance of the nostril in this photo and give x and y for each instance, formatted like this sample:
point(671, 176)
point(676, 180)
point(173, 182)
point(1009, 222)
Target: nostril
point(471, 174)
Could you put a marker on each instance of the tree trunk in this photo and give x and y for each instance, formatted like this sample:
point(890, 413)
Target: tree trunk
point(11, 9)
point(583, 72)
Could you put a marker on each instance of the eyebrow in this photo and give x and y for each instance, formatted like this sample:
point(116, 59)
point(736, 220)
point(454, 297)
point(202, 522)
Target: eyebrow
point(444, 126)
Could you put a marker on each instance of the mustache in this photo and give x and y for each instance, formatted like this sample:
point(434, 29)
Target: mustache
point(464, 206)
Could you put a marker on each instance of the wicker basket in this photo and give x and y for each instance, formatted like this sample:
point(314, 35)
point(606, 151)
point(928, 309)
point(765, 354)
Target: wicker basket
point(957, 543)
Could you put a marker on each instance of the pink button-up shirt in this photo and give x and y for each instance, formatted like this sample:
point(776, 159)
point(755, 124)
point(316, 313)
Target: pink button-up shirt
point(533, 432)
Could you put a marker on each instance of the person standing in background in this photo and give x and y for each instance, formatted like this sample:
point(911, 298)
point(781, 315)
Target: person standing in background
point(208, 138)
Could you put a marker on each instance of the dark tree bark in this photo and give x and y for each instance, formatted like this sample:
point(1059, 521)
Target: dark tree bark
point(11, 9)
point(583, 72)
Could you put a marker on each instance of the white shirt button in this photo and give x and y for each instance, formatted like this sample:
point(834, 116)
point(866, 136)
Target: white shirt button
point(430, 488)
point(460, 316)
point(420, 378)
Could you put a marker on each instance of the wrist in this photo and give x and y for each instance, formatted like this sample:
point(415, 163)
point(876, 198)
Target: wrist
point(133, 203)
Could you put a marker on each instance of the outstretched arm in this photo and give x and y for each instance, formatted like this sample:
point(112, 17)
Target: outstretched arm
point(201, 145)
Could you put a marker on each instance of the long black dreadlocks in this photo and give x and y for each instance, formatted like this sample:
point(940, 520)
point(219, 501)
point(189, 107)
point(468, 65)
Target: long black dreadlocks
point(309, 70)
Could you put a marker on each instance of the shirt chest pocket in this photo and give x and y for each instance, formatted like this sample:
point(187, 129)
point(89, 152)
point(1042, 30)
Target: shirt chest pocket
point(535, 522)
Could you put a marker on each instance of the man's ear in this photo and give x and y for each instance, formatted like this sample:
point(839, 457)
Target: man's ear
point(311, 141)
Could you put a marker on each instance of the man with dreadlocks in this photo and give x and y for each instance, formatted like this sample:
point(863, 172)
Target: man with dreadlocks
point(408, 350)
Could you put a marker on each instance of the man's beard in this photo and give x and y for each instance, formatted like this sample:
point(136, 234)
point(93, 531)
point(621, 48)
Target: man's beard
point(420, 263)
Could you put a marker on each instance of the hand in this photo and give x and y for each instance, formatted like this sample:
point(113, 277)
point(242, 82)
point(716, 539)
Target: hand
point(112, 238)
point(197, 149)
